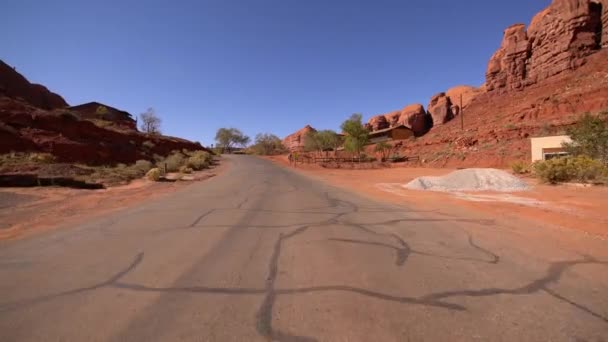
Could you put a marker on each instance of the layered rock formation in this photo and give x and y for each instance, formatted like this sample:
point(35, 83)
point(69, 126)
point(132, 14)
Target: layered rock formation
point(33, 119)
point(13, 84)
point(413, 116)
point(558, 39)
point(295, 142)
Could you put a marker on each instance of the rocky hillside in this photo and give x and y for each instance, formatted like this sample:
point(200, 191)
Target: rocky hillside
point(540, 81)
point(295, 141)
point(33, 119)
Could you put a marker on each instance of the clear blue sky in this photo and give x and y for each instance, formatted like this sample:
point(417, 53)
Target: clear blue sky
point(259, 65)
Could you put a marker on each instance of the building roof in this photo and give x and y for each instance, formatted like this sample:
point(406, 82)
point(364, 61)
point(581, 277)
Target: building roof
point(381, 131)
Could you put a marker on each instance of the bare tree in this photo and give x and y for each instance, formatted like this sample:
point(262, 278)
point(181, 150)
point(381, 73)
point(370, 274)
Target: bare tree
point(150, 122)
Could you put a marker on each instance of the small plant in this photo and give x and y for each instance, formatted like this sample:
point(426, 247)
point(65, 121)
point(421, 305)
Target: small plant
point(154, 174)
point(142, 166)
point(384, 149)
point(41, 158)
point(520, 168)
point(174, 162)
point(199, 160)
point(510, 126)
point(148, 144)
point(185, 169)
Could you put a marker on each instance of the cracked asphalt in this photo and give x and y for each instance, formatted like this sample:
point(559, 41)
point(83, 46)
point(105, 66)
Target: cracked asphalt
point(261, 253)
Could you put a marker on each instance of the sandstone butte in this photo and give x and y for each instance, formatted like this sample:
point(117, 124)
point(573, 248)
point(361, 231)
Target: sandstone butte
point(34, 119)
point(543, 76)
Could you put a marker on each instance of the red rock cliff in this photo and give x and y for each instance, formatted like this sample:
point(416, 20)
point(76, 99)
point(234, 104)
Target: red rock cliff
point(558, 39)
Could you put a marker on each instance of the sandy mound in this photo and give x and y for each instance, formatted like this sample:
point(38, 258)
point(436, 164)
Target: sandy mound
point(470, 180)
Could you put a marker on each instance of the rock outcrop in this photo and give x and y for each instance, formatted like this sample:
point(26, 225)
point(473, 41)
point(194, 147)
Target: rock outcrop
point(440, 109)
point(33, 119)
point(14, 85)
point(464, 92)
point(295, 142)
point(558, 39)
point(413, 116)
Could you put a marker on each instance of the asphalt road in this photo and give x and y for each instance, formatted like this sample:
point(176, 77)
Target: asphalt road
point(261, 253)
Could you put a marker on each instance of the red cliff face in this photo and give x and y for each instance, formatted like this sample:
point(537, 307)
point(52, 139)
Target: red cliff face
point(558, 39)
point(13, 84)
point(32, 119)
point(412, 116)
point(295, 141)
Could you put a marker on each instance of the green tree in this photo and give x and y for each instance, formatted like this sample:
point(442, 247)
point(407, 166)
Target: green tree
point(328, 140)
point(357, 135)
point(311, 142)
point(267, 144)
point(384, 149)
point(590, 137)
point(227, 138)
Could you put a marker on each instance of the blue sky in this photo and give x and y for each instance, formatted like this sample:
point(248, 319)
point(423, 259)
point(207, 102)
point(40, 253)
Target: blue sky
point(258, 65)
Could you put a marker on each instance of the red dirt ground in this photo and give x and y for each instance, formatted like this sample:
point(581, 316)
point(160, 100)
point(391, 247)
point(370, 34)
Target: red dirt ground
point(561, 207)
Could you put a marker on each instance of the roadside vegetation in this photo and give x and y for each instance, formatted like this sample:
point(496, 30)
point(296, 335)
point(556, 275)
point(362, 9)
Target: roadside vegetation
point(228, 138)
point(588, 159)
point(322, 141)
point(357, 135)
point(45, 165)
point(149, 122)
point(267, 144)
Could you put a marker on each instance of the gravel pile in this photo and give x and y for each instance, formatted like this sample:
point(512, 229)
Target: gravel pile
point(470, 180)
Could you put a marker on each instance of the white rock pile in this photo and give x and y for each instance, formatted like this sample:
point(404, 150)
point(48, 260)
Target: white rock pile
point(471, 180)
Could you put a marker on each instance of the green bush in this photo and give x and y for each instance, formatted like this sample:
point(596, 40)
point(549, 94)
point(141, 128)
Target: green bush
point(581, 169)
point(154, 174)
point(520, 167)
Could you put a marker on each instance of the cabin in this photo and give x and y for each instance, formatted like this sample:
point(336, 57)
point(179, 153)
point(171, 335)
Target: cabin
point(545, 148)
point(400, 132)
point(100, 111)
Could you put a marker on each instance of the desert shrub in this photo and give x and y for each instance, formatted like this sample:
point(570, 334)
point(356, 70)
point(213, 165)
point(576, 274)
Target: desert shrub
point(185, 169)
point(154, 174)
point(142, 166)
point(199, 160)
point(148, 144)
point(42, 158)
point(173, 162)
point(581, 168)
point(520, 167)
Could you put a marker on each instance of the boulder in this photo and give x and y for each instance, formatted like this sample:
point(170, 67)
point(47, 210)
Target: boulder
point(440, 109)
point(558, 39)
point(412, 116)
point(378, 122)
point(416, 118)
